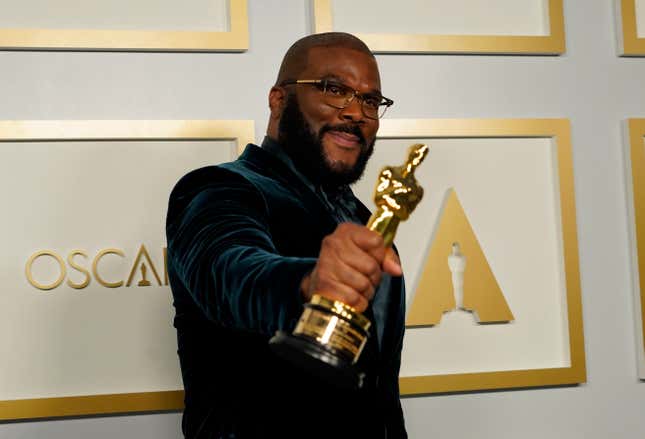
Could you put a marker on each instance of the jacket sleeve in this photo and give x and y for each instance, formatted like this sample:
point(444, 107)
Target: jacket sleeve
point(220, 248)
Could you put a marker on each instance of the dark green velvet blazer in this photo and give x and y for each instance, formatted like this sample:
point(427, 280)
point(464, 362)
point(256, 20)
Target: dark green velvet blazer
point(240, 238)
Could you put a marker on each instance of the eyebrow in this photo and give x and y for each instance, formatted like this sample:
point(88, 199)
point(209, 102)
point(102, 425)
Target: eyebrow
point(332, 77)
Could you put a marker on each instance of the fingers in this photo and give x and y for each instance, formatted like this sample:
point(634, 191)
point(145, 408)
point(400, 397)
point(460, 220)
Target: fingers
point(392, 263)
point(350, 265)
point(362, 267)
point(346, 272)
point(348, 296)
point(358, 253)
point(356, 293)
point(362, 236)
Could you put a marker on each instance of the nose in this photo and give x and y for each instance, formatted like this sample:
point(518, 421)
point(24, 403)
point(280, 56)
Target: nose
point(352, 111)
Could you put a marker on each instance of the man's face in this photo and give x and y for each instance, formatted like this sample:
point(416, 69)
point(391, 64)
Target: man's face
point(332, 145)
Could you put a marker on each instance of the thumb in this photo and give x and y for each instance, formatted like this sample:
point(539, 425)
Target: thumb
point(391, 263)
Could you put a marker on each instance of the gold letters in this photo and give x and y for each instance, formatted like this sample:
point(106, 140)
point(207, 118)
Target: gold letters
point(70, 261)
point(142, 252)
point(30, 277)
point(142, 263)
point(95, 264)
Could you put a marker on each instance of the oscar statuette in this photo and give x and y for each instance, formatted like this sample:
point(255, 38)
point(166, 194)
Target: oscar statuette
point(330, 335)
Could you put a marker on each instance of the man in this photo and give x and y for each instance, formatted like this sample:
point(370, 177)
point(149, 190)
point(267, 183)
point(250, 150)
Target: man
point(249, 242)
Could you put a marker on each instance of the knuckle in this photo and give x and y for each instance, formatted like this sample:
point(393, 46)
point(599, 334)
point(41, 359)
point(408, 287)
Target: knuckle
point(328, 241)
point(361, 304)
point(365, 285)
point(373, 267)
point(378, 239)
point(352, 299)
point(344, 227)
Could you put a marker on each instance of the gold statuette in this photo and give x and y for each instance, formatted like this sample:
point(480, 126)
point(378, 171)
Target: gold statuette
point(330, 335)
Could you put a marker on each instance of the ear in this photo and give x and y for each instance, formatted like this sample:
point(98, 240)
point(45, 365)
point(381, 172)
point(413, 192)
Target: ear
point(277, 101)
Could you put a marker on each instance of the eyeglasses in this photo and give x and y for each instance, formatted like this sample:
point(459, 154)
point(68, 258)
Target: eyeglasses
point(340, 96)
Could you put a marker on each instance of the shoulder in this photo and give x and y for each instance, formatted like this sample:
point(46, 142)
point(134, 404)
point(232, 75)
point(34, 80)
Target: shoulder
point(204, 178)
point(238, 172)
point(214, 184)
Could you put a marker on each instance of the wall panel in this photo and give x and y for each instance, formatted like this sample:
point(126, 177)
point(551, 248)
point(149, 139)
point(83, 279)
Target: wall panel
point(527, 234)
point(442, 26)
point(631, 15)
point(86, 303)
point(120, 25)
point(589, 85)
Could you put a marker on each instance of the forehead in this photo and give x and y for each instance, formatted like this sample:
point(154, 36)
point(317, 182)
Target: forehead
point(356, 69)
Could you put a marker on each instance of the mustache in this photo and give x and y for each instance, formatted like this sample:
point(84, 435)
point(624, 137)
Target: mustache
point(345, 128)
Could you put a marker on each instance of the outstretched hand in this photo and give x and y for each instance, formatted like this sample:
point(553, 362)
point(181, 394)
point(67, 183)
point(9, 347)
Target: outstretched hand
point(350, 265)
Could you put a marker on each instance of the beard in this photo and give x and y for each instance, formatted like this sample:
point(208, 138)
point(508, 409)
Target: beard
point(306, 150)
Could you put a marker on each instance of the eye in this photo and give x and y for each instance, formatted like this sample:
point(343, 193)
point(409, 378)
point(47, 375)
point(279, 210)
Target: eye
point(372, 101)
point(336, 89)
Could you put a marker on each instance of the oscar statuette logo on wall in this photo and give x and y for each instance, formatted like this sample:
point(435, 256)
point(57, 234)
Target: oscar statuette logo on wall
point(457, 276)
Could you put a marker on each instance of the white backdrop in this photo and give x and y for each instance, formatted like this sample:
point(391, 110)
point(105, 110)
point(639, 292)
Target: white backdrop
point(589, 85)
point(456, 17)
point(508, 188)
point(60, 341)
point(207, 15)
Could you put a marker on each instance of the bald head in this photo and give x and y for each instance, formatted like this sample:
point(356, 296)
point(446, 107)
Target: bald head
point(296, 58)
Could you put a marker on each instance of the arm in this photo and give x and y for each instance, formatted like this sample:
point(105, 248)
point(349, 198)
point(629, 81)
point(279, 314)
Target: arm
point(221, 250)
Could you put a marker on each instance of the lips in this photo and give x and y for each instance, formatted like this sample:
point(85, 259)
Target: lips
point(344, 139)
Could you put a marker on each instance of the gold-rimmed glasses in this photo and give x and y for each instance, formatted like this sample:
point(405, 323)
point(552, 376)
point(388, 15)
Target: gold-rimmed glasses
point(339, 96)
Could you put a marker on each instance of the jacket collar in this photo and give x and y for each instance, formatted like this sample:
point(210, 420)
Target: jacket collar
point(266, 163)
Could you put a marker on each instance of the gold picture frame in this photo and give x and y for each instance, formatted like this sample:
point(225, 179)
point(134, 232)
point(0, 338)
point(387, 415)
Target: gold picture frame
point(241, 131)
point(631, 44)
point(559, 130)
point(636, 135)
point(235, 40)
point(552, 44)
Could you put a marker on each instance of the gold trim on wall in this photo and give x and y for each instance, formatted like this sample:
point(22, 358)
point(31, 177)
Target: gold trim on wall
point(235, 40)
point(91, 405)
point(559, 130)
point(241, 131)
point(552, 44)
point(632, 45)
point(637, 155)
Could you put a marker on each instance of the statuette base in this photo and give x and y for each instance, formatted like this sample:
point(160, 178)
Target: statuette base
point(317, 360)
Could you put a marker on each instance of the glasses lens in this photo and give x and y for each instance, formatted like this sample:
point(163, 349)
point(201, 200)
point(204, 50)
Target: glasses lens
point(371, 111)
point(337, 95)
